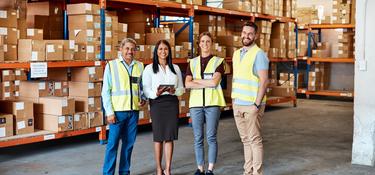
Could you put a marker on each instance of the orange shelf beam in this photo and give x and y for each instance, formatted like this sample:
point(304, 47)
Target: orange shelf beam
point(277, 100)
point(331, 93)
point(26, 65)
point(331, 26)
point(332, 60)
point(282, 59)
point(49, 136)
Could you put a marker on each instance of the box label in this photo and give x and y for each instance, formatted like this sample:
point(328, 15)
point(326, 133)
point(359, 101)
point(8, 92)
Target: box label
point(42, 85)
point(90, 49)
point(2, 132)
point(30, 32)
point(91, 70)
point(61, 119)
point(34, 56)
point(98, 129)
point(17, 94)
point(21, 125)
point(182, 103)
point(89, 18)
point(108, 34)
point(90, 33)
point(50, 48)
point(5, 47)
point(3, 31)
point(88, 7)
point(108, 48)
point(38, 70)
point(18, 72)
point(91, 101)
point(3, 14)
point(76, 118)
point(125, 28)
point(57, 85)
point(49, 136)
point(17, 82)
point(6, 72)
point(7, 84)
point(137, 36)
point(91, 85)
point(64, 103)
point(20, 106)
point(71, 44)
point(6, 94)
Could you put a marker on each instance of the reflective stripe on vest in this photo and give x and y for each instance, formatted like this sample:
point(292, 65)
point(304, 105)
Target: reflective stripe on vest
point(212, 96)
point(125, 95)
point(245, 84)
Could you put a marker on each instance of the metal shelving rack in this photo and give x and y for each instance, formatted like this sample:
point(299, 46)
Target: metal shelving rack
point(310, 60)
point(160, 8)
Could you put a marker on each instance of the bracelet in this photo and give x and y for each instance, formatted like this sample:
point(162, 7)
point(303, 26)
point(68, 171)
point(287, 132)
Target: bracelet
point(258, 106)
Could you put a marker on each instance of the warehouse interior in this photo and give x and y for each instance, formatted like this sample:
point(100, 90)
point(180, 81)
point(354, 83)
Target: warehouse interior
point(320, 110)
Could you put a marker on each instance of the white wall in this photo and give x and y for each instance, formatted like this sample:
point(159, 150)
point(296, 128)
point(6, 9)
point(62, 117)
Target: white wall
point(364, 101)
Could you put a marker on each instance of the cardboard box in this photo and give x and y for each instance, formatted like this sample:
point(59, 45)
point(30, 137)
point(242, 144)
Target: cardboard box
point(10, 52)
point(138, 37)
point(5, 95)
point(81, 121)
point(24, 125)
point(31, 50)
point(83, 22)
point(87, 74)
point(88, 36)
point(85, 89)
point(135, 16)
point(34, 34)
point(56, 106)
point(85, 52)
point(7, 75)
point(6, 125)
point(34, 89)
point(7, 86)
point(69, 47)
point(229, 41)
point(11, 35)
point(16, 84)
point(95, 119)
point(20, 74)
point(8, 18)
point(153, 38)
point(178, 26)
point(88, 104)
point(60, 88)
point(83, 9)
point(58, 74)
point(20, 109)
point(56, 123)
point(51, 8)
point(144, 112)
point(54, 52)
point(282, 91)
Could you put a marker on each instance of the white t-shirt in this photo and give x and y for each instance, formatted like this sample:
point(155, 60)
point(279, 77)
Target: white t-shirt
point(151, 81)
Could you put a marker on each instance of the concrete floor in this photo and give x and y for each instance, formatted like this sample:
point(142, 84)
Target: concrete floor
point(314, 138)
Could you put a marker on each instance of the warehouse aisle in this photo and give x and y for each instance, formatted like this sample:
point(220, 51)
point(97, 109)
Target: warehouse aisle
point(315, 138)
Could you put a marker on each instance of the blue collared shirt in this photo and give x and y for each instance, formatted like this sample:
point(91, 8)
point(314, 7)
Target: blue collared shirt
point(107, 86)
point(261, 63)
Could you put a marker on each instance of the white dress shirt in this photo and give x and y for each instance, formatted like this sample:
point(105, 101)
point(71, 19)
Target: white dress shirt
point(151, 81)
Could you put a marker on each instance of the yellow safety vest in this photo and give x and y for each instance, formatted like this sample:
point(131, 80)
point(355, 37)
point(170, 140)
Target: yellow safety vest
point(245, 85)
point(206, 96)
point(125, 92)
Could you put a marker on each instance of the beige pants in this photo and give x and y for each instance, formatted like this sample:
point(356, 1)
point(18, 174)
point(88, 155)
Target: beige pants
point(249, 125)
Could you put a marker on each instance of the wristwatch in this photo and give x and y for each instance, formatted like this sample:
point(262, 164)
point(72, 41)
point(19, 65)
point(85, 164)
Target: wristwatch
point(258, 106)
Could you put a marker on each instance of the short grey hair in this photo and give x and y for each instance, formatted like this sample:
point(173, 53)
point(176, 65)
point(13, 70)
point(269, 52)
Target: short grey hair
point(127, 40)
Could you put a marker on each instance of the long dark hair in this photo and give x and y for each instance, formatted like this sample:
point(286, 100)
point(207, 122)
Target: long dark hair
point(155, 65)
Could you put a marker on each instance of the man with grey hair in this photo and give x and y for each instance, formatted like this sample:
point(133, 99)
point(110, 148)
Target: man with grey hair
point(121, 100)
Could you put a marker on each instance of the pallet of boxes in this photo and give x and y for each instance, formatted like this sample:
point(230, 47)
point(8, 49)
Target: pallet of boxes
point(16, 116)
point(282, 84)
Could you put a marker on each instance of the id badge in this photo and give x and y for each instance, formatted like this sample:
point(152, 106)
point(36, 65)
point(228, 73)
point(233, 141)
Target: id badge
point(135, 80)
point(208, 76)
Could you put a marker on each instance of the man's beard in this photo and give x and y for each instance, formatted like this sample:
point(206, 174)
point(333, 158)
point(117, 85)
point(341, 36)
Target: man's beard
point(247, 44)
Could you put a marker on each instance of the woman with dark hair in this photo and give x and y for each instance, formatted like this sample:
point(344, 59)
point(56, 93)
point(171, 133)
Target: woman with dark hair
point(162, 83)
point(203, 77)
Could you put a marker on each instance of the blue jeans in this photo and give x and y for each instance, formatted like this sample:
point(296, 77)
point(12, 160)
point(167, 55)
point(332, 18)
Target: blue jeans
point(211, 116)
point(125, 129)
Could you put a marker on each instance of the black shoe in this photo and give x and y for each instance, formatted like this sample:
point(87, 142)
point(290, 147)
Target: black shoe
point(198, 172)
point(209, 172)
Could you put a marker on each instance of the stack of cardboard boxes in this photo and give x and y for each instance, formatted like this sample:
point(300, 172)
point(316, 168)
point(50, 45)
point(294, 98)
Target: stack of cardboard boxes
point(278, 8)
point(84, 29)
point(307, 15)
point(323, 50)
point(319, 77)
point(278, 41)
point(345, 43)
point(9, 34)
point(183, 51)
point(10, 83)
point(273, 74)
point(264, 28)
point(20, 120)
point(341, 11)
point(85, 87)
point(290, 36)
point(139, 23)
point(238, 5)
point(286, 79)
point(302, 44)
